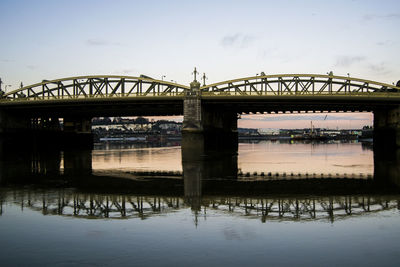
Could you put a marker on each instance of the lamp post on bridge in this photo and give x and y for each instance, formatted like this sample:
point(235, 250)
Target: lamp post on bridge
point(204, 79)
point(5, 86)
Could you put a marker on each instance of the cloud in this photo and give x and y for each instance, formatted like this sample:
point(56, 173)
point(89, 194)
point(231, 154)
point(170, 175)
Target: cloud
point(370, 17)
point(379, 68)
point(384, 43)
point(6, 60)
point(237, 40)
point(31, 67)
point(100, 42)
point(347, 61)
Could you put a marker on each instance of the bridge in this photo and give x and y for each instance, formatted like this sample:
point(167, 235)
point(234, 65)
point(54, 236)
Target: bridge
point(210, 111)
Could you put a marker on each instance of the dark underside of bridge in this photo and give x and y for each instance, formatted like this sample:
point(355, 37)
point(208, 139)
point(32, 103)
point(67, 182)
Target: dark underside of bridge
point(215, 115)
point(168, 106)
point(100, 107)
point(293, 104)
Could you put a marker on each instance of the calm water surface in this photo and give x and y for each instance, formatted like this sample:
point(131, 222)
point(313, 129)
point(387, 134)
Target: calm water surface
point(47, 223)
point(263, 156)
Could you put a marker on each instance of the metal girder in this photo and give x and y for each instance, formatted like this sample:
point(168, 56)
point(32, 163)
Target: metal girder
point(96, 86)
point(299, 84)
point(267, 85)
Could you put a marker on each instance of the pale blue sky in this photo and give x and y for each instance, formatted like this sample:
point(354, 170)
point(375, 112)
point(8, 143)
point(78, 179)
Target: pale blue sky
point(225, 39)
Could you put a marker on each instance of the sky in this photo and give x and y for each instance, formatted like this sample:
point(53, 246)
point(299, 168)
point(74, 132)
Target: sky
point(224, 39)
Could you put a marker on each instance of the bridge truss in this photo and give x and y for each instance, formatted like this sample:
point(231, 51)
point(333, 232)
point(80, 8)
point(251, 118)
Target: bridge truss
point(97, 87)
point(112, 86)
point(298, 85)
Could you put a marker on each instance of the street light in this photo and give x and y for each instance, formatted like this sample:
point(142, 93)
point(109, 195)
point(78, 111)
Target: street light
point(162, 77)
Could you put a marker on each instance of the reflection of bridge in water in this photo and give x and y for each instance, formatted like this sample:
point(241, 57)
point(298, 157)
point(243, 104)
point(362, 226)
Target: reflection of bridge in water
point(64, 202)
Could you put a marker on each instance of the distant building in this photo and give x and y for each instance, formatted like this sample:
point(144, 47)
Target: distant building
point(248, 131)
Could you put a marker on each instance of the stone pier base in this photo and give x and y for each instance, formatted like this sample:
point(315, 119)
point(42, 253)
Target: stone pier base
point(387, 128)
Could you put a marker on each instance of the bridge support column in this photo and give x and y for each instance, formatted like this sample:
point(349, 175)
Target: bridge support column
point(212, 128)
point(387, 145)
point(78, 132)
point(46, 124)
point(209, 145)
point(13, 123)
point(220, 129)
point(387, 129)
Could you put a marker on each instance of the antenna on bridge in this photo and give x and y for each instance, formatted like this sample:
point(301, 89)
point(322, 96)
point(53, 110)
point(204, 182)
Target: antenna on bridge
point(204, 79)
point(195, 72)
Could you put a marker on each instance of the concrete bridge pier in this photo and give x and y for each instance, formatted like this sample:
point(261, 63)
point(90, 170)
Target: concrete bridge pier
point(387, 166)
point(387, 145)
point(207, 128)
point(12, 123)
point(26, 130)
point(386, 128)
point(220, 129)
point(78, 132)
point(209, 145)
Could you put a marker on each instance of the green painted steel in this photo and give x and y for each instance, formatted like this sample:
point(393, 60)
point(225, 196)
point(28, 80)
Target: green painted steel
point(269, 86)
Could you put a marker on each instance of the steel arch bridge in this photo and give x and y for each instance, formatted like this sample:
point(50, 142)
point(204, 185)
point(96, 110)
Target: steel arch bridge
point(98, 86)
point(298, 84)
point(113, 86)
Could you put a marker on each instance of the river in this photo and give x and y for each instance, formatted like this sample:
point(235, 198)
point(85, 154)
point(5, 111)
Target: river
point(274, 203)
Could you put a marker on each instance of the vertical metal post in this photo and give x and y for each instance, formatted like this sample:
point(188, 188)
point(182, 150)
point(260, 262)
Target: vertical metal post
point(122, 86)
point(106, 85)
point(90, 87)
point(279, 86)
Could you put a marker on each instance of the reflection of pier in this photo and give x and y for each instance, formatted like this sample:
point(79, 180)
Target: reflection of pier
point(65, 202)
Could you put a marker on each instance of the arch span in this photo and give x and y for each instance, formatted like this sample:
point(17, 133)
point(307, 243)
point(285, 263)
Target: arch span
point(299, 84)
point(96, 86)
